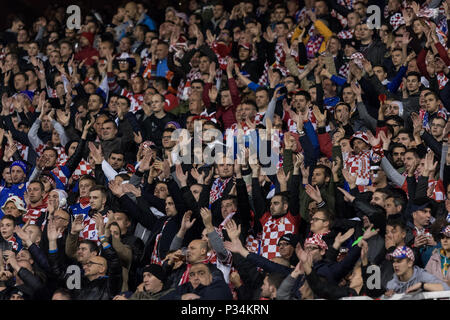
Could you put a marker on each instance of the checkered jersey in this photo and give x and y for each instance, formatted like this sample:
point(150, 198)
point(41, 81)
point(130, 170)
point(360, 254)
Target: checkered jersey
point(89, 231)
point(83, 168)
point(15, 242)
point(273, 229)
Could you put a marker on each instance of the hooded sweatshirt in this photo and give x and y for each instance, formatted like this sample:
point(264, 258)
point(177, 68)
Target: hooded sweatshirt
point(419, 275)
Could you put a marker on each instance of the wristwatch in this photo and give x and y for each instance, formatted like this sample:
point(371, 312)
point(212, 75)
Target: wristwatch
point(301, 133)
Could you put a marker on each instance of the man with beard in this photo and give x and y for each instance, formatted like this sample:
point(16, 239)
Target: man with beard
point(398, 156)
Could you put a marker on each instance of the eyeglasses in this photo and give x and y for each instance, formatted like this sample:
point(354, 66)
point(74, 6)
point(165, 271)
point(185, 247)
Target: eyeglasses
point(317, 219)
point(311, 248)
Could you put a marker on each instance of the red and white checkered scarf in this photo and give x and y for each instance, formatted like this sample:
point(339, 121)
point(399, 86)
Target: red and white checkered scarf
point(314, 43)
point(60, 174)
point(346, 34)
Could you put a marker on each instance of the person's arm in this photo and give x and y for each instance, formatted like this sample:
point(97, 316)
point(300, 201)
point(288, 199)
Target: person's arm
point(109, 172)
point(391, 173)
point(124, 251)
point(284, 291)
point(32, 134)
point(132, 210)
point(432, 143)
point(397, 80)
point(62, 134)
point(257, 198)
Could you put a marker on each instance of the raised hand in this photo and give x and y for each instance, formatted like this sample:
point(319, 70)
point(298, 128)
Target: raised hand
point(282, 177)
point(99, 224)
point(207, 218)
point(233, 230)
point(313, 193)
point(320, 117)
point(130, 188)
point(186, 222)
point(347, 196)
point(350, 178)
point(77, 224)
point(116, 188)
point(341, 238)
point(370, 232)
point(181, 176)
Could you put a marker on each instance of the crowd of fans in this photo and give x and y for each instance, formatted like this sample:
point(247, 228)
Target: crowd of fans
point(103, 198)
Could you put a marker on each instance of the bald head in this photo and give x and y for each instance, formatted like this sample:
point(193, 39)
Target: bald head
point(95, 267)
point(197, 251)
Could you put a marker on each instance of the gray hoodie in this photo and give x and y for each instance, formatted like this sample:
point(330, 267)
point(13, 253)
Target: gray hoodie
point(419, 275)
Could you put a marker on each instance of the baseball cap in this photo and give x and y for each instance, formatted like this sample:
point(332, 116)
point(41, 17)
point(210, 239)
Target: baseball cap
point(446, 231)
point(156, 270)
point(416, 207)
point(291, 238)
point(402, 252)
point(317, 241)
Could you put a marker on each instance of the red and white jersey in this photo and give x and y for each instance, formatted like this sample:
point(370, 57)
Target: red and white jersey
point(89, 231)
point(33, 214)
point(359, 165)
point(273, 229)
point(437, 190)
point(82, 169)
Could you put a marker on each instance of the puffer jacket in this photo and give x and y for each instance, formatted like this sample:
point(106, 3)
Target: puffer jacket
point(434, 265)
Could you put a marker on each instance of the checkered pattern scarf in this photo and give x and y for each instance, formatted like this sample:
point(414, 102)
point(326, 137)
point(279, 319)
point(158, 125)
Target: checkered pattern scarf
point(345, 34)
point(313, 44)
point(263, 80)
point(442, 80)
point(342, 20)
point(344, 70)
point(185, 84)
point(14, 243)
point(217, 189)
point(60, 175)
point(280, 58)
point(359, 164)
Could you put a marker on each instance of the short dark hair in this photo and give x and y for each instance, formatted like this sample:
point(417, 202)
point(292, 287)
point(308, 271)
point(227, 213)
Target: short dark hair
point(92, 245)
point(414, 74)
point(396, 222)
point(303, 93)
point(126, 99)
point(327, 171)
point(100, 188)
point(9, 217)
point(38, 182)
